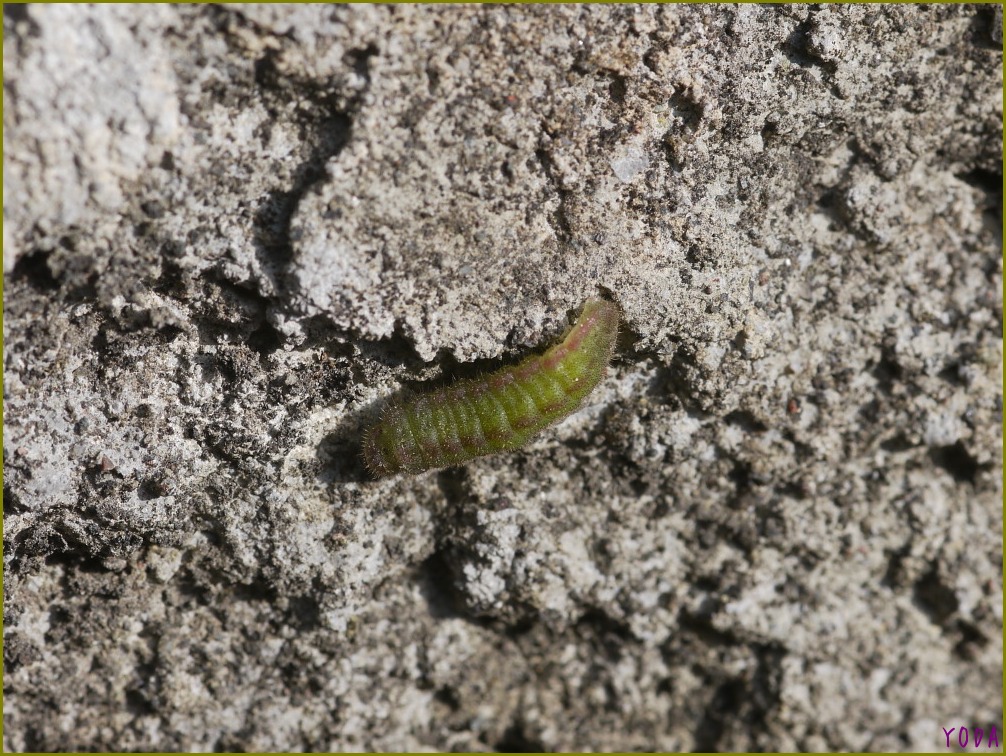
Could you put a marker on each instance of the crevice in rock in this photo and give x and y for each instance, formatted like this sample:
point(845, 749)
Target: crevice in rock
point(936, 599)
point(516, 739)
point(436, 584)
point(33, 268)
point(957, 461)
point(560, 221)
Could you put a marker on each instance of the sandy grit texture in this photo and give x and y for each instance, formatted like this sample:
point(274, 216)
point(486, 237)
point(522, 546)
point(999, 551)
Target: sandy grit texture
point(231, 231)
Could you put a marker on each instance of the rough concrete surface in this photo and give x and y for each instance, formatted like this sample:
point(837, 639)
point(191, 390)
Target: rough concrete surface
point(231, 232)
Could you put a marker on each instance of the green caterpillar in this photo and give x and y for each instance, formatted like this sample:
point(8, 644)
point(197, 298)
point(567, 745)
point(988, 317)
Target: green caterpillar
point(497, 412)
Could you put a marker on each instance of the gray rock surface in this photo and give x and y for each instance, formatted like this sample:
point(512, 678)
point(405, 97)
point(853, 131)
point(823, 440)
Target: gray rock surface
point(231, 232)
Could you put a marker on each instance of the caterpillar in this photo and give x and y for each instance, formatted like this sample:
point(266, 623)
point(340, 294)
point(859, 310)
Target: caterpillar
point(497, 412)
